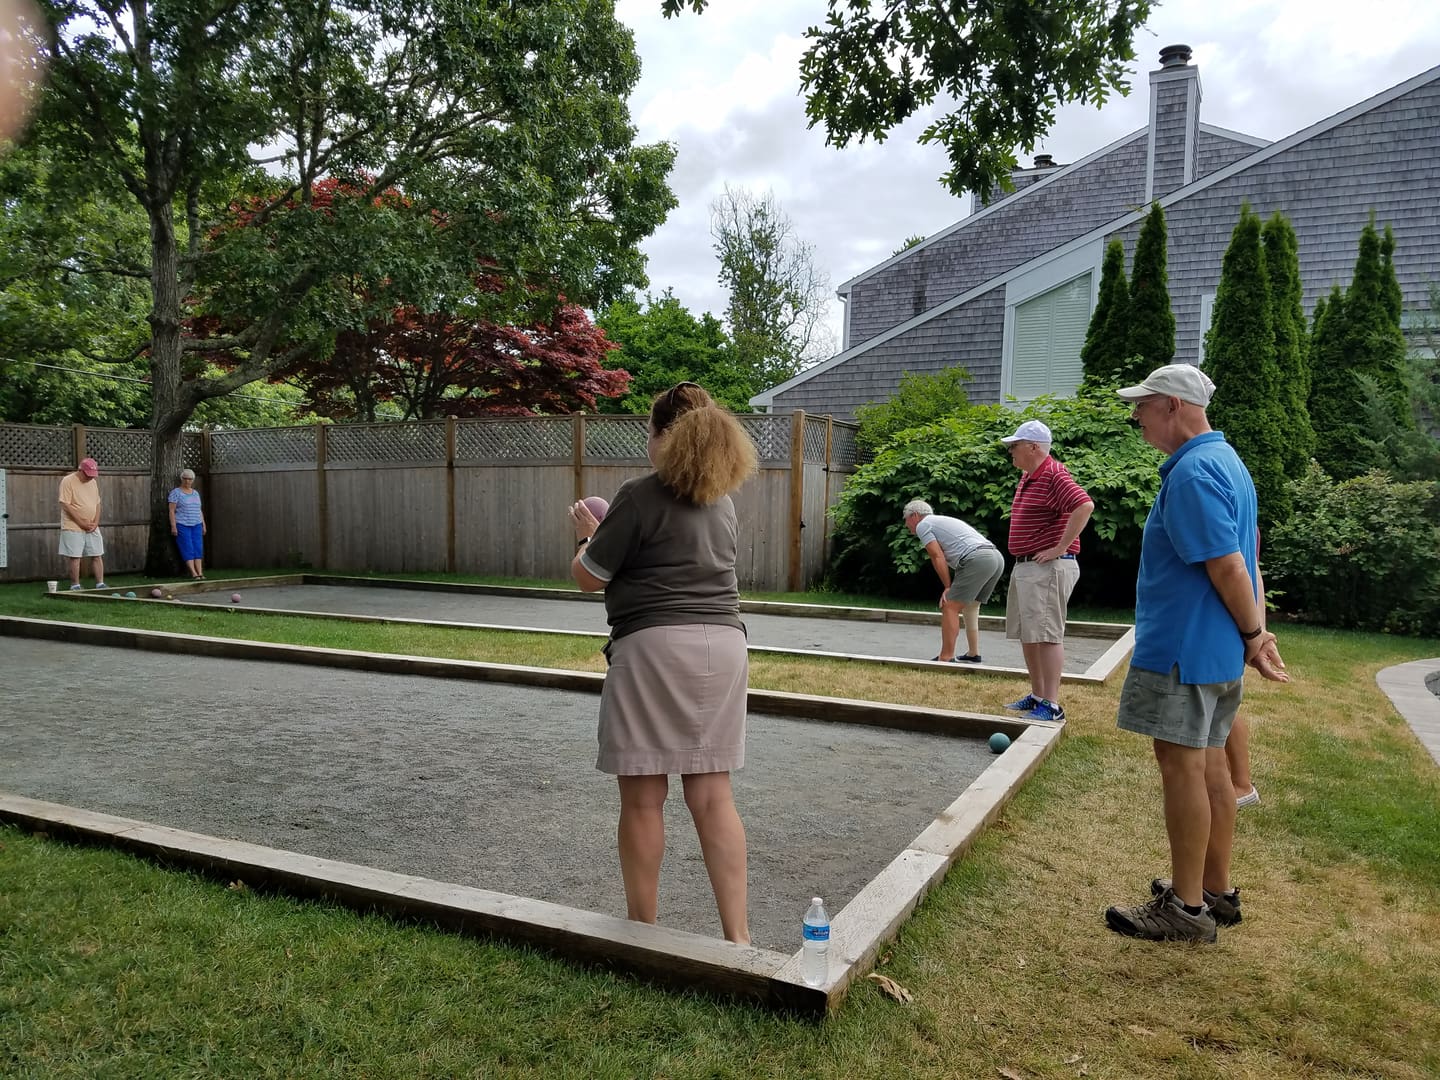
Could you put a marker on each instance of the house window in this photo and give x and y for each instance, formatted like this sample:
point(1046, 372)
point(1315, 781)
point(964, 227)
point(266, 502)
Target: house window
point(1207, 312)
point(1049, 331)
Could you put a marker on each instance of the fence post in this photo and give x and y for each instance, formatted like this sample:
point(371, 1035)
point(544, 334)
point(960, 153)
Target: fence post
point(77, 436)
point(797, 500)
point(577, 453)
point(450, 494)
point(825, 525)
point(322, 502)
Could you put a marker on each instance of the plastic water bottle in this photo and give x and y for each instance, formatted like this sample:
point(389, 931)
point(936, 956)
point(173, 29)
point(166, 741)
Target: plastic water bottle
point(815, 964)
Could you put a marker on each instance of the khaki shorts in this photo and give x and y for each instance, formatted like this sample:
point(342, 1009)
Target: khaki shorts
point(81, 545)
point(1188, 714)
point(976, 576)
point(1039, 597)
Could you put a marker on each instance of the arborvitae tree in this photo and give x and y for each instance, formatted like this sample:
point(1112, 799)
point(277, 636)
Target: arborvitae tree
point(1393, 297)
point(1151, 339)
point(1287, 317)
point(1374, 345)
point(1105, 341)
point(1334, 414)
point(1240, 357)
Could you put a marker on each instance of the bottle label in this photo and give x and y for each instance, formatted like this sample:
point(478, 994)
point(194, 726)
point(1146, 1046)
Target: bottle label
point(817, 933)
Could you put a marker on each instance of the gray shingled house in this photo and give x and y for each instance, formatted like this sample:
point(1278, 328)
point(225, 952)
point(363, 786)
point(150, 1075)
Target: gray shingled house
point(1007, 292)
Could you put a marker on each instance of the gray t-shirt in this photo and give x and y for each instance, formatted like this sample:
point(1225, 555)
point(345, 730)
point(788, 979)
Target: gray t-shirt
point(957, 540)
point(665, 562)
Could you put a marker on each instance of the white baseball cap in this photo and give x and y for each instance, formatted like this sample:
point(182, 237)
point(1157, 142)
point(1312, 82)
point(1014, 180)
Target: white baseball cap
point(1030, 431)
point(1185, 381)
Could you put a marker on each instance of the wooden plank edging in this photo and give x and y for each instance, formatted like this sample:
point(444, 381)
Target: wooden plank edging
point(660, 954)
point(876, 913)
point(858, 931)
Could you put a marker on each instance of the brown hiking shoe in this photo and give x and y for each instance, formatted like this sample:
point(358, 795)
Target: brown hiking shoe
point(1224, 906)
point(1161, 918)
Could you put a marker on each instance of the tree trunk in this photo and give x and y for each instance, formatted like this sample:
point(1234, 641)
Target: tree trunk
point(170, 406)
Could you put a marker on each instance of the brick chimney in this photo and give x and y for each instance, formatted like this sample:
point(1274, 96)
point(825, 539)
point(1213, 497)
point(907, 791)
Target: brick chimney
point(1174, 123)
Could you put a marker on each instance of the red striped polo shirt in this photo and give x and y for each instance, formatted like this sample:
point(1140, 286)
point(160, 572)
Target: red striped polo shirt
point(1044, 500)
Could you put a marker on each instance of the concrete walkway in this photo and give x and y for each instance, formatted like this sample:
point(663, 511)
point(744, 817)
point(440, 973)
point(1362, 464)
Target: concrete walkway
point(1412, 689)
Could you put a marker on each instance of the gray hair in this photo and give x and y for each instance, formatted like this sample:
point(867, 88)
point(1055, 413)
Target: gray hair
point(187, 474)
point(917, 506)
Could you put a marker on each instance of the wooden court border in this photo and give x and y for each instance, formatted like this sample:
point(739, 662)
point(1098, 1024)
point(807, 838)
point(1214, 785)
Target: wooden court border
point(667, 956)
point(1121, 635)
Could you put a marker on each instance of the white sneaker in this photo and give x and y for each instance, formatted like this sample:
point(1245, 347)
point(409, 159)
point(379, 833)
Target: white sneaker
point(76, 587)
point(98, 585)
point(1250, 798)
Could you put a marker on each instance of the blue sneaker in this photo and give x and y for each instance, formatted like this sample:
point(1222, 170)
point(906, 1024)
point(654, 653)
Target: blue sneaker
point(1046, 710)
point(1025, 704)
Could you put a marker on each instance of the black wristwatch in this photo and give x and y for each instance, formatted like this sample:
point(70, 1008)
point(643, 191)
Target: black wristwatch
point(585, 540)
point(1253, 634)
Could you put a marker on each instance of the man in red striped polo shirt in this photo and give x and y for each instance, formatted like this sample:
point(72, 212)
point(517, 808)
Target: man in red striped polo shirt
point(1046, 519)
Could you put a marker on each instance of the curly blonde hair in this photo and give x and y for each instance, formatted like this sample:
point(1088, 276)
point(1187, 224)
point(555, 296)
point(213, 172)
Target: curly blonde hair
point(705, 453)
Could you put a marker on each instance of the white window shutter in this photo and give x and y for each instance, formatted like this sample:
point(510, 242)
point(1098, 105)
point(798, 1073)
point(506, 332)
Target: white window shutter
point(1072, 319)
point(1049, 332)
point(1207, 312)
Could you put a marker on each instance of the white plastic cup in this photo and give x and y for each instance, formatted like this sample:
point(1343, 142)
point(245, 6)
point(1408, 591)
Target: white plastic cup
point(52, 586)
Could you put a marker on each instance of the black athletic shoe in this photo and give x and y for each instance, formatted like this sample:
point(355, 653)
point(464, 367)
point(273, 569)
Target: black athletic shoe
point(1224, 906)
point(1162, 918)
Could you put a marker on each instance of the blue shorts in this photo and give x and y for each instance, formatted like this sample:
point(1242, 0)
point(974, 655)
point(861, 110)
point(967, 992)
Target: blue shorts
point(190, 539)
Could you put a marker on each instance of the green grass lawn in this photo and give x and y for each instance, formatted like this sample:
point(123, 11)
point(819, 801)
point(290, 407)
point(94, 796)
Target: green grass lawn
point(113, 967)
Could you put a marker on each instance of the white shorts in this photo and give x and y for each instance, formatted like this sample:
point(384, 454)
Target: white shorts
point(81, 545)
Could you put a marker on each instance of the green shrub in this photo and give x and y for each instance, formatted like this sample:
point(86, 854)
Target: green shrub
point(919, 400)
point(960, 467)
point(1362, 553)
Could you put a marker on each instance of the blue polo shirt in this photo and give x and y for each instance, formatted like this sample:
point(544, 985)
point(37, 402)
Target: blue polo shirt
point(1205, 509)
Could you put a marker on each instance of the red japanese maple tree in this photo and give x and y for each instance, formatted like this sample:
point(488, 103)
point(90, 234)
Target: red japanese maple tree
point(546, 357)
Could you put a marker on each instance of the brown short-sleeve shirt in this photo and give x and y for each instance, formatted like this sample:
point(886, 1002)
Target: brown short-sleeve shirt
point(664, 561)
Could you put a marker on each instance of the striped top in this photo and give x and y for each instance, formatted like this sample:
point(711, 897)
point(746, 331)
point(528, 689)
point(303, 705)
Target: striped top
point(1044, 501)
point(187, 506)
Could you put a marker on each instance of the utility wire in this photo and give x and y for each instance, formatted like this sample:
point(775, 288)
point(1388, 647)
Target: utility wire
point(294, 405)
point(143, 382)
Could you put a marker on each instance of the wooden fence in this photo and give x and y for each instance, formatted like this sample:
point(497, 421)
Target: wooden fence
point(468, 496)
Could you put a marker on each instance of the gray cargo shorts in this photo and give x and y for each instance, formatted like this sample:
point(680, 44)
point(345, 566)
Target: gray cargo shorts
point(1188, 714)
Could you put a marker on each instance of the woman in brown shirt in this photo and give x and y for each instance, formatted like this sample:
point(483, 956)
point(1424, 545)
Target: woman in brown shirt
point(675, 692)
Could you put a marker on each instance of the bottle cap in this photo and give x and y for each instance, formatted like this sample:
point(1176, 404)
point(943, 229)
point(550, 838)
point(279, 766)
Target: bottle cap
point(817, 900)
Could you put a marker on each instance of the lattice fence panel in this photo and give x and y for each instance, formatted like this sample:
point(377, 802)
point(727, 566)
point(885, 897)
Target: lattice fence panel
point(413, 442)
point(118, 449)
point(815, 439)
point(37, 447)
point(770, 433)
point(844, 450)
point(262, 446)
point(616, 438)
point(191, 456)
point(550, 438)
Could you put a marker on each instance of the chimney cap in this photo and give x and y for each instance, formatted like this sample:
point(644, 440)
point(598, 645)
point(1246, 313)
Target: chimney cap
point(1175, 56)
point(1044, 161)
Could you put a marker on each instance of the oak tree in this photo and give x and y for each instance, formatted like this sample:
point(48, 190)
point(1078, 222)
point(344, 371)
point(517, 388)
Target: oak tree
point(510, 120)
point(1001, 69)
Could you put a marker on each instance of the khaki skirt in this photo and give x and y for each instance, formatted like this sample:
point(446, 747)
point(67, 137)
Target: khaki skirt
point(674, 701)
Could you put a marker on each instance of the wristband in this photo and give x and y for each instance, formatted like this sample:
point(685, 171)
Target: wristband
point(585, 540)
point(1253, 634)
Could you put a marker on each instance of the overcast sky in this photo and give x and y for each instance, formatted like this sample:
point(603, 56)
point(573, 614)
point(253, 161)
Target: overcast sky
point(724, 88)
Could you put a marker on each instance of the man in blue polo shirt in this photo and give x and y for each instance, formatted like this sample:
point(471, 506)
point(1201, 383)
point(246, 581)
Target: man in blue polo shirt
point(1199, 620)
